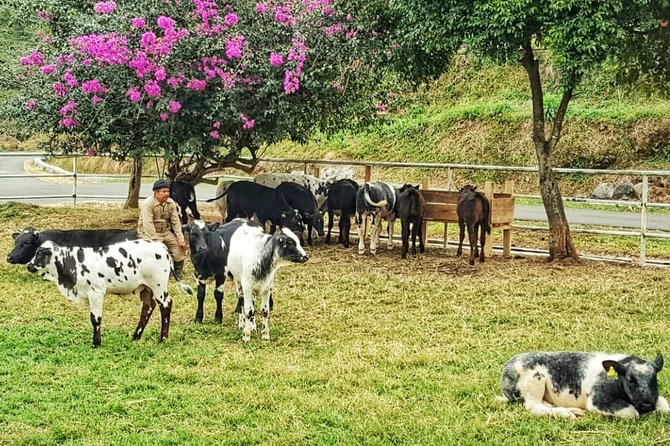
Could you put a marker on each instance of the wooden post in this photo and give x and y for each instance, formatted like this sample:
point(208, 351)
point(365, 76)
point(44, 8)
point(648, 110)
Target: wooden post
point(488, 191)
point(507, 233)
point(425, 184)
point(368, 173)
point(317, 171)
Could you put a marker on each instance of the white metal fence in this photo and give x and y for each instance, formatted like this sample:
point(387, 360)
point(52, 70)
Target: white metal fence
point(642, 232)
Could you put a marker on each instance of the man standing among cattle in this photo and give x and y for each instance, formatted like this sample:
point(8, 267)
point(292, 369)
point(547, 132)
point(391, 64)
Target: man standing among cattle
point(159, 220)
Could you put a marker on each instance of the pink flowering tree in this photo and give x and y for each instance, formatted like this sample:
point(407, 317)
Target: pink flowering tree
point(207, 84)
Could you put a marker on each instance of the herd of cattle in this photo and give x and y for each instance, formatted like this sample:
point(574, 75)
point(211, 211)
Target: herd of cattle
point(86, 265)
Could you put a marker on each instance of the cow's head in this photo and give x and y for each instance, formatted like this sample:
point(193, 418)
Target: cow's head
point(26, 243)
point(317, 221)
point(289, 247)
point(637, 378)
point(42, 257)
point(197, 235)
point(407, 187)
point(292, 220)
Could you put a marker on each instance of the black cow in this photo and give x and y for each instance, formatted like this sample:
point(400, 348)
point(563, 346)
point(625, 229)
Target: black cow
point(184, 195)
point(303, 200)
point(411, 208)
point(27, 241)
point(341, 201)
point(246, 199)
point(474, 212)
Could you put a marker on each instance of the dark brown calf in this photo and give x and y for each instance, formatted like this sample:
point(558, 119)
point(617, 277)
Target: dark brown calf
point(473, 210)
point(411, 209)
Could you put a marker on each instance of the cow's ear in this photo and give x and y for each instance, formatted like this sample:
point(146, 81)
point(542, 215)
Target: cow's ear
point(186, 228)
point(658, 362)
point(616, 365)
point(214, 226)
point(417, 186)
point(282, 215)
point(474, 188)
point(16, 234)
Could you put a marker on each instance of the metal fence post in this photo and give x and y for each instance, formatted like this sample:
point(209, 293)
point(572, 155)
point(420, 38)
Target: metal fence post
point(643, 219)
point(74, 180)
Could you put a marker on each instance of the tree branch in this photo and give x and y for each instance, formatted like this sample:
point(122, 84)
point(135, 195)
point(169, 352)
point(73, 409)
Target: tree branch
point(532, 68)
point(560, 116)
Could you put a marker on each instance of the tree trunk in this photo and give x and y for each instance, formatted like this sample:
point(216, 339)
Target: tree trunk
point(560, 240)
point(134, 184)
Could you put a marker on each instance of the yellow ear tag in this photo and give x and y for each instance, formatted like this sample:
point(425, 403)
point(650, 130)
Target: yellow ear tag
point(611, 373)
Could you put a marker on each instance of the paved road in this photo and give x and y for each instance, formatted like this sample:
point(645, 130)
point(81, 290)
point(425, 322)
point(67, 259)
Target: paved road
point(25, 189)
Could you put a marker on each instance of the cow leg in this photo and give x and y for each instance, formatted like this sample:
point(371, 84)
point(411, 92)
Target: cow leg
point(330, 227)
point(415, 230)
point(218, 296)
point(461, 236)
point(194, 210)
point(310, 242)
point(95, 306)
point(265, 314)
point(148, 305)
point(249, 312)
point(482, 241)
point(375, 230)
point(389, 231)
point(361, 233)
point(419, 232)
point(345, 228)
point(532, 387)
point(166, 310)
point(202, 288)
point(472, 236)
point(404, 231)
point(240, 304)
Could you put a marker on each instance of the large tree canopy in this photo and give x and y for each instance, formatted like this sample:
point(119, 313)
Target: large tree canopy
point(198, 80)
point(575, 37)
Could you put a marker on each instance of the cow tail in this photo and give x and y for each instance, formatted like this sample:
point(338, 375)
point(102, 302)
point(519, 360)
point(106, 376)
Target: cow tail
point(184, 287)
point(217, 197)
point(366, 193)
point(487, 214)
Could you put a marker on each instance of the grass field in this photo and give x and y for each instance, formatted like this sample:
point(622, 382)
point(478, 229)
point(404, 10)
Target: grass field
point(364, 351)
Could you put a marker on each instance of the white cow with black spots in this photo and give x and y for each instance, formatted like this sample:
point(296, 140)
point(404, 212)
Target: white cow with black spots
point(565, 384)
point(89, 274)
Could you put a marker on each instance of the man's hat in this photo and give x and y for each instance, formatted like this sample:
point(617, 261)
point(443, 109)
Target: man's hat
point(160, 184)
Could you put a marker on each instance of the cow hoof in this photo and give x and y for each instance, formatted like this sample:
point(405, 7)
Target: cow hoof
point(389, 247)
point(265, 336)
point(374, 253)
point(361, 252)
point(459, 253)
point(246, 338)
point(404, 255)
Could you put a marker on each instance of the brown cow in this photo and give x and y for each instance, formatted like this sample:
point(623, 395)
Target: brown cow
point(473, 210)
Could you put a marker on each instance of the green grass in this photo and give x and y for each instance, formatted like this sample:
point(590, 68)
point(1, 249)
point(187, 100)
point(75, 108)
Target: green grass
point(370, 351)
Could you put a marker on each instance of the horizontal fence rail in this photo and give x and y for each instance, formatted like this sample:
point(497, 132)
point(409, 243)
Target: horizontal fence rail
point(643, 203)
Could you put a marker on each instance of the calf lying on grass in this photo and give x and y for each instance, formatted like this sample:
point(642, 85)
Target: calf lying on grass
point(564, 384)
point(89, 274)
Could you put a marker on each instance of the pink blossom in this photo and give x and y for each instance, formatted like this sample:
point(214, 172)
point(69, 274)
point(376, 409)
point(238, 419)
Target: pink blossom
point(138, 22)
point(174, 106)
point(164, 116)
point(230, 19)
point(48, 69)
point(108, 49)
point(95, 99)
point(337, 85)
point(291, 82)
point(148, 39)
point(283, 16)
point(70, 108)
point(69, 78)
point(152, 88)
point(333, 29)
point(68, 122)
point(247, 123)
point(31, 104)
point(104, 7)
point(34, 58)
point(60, 89)
point(46, 38)
point(260, 8)
point(45, 16)
point(380, 106)
point(276, 59)
point(214, 134)
point(134, 94)
point(160, 74)
point(165, 23)
point(216, 124)
point(90, 152)
point(64, 59)
point(93, 86)
point(234, 47)
point(174, 81)
point(196, 84)
point(350, 34)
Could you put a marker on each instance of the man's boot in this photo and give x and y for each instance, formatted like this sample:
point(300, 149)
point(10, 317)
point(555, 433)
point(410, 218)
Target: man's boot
point(178, 269)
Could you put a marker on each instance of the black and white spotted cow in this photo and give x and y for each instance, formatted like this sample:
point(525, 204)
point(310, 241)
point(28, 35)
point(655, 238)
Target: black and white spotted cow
point(89, 274)
point(28, 240)
point(253, 260)
point(377, 200)
point(564, 384)
point(317, 186)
